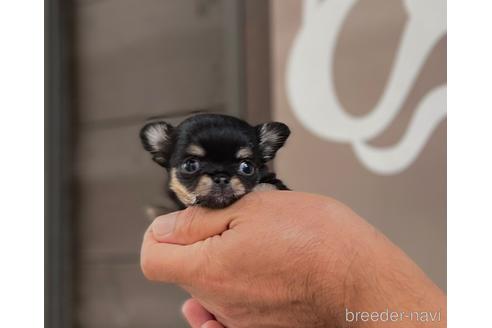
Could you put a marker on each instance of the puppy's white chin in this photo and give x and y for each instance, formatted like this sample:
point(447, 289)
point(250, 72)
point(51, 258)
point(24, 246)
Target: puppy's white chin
point(217, 200)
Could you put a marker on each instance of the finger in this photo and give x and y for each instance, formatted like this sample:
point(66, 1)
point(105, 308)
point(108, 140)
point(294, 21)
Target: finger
point(195, 313)
point(212, 324)
point(191, 225)
point(170, 263)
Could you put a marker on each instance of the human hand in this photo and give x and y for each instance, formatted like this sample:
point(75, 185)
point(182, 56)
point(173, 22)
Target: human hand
point(197, 316)
point(283, 259)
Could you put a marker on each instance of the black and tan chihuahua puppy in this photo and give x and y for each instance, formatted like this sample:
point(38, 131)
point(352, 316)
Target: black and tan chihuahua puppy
point(213, 160)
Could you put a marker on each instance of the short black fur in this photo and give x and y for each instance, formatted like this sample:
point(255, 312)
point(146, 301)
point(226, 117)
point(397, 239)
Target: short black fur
point(213, 159)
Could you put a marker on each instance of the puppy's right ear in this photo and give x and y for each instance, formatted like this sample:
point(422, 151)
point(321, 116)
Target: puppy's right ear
point(157, 139)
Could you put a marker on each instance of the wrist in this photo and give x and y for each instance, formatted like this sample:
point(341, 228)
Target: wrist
point(384, 284)
point(376, 282)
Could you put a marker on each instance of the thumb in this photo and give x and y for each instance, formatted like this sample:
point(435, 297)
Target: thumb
point(191, 225)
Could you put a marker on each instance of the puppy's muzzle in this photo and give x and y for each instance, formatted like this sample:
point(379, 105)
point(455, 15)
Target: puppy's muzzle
point(221, 180)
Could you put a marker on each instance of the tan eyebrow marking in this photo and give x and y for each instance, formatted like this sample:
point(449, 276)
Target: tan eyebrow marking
point(195, 150)
point(244, 152)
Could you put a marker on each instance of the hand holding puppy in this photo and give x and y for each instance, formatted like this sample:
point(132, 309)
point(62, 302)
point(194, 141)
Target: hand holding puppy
point(284, 259)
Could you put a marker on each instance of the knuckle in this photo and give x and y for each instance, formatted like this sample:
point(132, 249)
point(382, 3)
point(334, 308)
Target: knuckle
point(190, 212)
point(213, 267)
point(201, 269)
point(255, 198)
point(232, 313)
point(186, 223)
point(251, 201)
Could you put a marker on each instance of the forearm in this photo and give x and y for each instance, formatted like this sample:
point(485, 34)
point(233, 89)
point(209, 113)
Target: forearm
point(382, 285)
point(395, 284)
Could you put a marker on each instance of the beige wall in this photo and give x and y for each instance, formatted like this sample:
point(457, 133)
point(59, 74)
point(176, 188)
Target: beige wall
point(408, 205)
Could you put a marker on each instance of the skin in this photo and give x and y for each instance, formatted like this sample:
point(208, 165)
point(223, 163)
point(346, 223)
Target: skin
point(285, 259)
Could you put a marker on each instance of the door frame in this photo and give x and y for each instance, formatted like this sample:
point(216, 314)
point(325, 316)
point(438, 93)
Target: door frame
point(58, 191)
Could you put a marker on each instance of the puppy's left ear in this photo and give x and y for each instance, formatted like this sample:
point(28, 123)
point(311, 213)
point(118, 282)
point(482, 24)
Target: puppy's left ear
point(271, 137)
point(157, 138)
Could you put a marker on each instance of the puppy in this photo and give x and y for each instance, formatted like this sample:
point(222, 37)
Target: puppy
point(213, 160)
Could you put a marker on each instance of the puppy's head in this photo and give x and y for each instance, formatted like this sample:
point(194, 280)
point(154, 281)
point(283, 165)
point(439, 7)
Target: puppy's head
point(212, 159)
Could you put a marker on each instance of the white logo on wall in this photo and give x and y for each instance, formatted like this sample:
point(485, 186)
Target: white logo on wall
point(312, 95)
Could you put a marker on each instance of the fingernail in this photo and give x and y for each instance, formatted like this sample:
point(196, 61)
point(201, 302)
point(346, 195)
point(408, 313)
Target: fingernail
point(164, 225)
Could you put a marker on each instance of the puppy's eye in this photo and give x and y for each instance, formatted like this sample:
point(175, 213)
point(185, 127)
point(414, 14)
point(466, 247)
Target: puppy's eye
point(246, 168)
point(190, 166)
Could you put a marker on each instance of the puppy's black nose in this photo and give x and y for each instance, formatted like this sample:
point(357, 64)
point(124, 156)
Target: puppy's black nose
point(221, 179)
